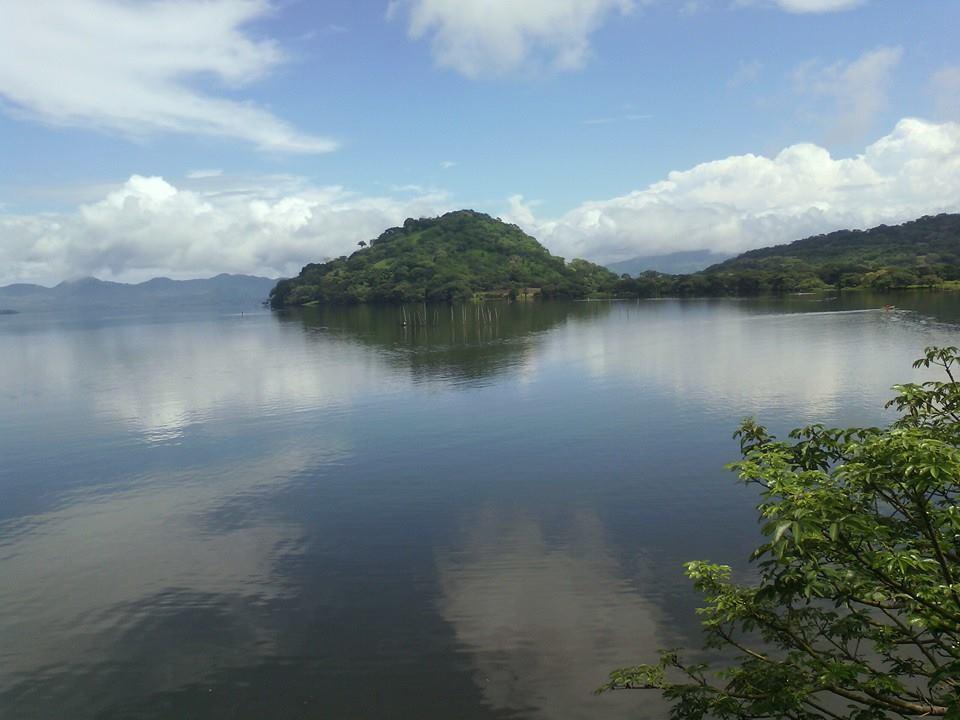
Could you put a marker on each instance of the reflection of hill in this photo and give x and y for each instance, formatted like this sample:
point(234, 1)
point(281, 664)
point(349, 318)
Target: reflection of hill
point(457, 342)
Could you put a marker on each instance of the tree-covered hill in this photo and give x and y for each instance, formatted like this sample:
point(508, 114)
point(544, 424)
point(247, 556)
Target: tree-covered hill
point(931, 238)
point(921, 252)
point(456, 256)
point(465, 254)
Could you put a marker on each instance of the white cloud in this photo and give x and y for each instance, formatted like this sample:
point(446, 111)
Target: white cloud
point(818, 6)
point(149, 227)
point(448, 164)
point(204, 174)
point(858, 89)
point(809, 6)
point(137, 68)
point(273, 225)
point(490, 37)
point(749, 201)
point(946, 91)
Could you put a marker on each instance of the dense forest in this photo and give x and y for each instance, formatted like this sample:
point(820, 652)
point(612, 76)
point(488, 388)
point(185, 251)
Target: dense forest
point(466, 255)
point(457, 256)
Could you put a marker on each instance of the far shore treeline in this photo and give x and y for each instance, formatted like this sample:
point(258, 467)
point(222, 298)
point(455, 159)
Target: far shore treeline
point(466, 255)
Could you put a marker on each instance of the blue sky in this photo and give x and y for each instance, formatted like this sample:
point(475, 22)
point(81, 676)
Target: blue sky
point(186, 138)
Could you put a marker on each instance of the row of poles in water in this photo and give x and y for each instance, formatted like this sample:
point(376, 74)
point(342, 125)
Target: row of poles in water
point(425, 317)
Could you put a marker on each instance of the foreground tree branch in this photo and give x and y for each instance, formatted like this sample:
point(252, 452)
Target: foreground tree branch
point(856, 613)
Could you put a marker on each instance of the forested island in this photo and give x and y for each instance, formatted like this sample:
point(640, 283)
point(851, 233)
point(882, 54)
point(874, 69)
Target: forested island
point(458, 256)
point(467, 255)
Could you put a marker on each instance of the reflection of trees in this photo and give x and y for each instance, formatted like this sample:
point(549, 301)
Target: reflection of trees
point(543, 619)
point(454, 342)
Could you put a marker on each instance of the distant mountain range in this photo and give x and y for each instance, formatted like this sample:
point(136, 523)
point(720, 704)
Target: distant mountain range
point(222, 290)
point(675, 263)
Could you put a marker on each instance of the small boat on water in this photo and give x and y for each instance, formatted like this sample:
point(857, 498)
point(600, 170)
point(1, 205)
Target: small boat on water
point(888, 308)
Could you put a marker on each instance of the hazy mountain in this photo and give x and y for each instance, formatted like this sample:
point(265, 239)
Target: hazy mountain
point(676, 263)
point(222, 290)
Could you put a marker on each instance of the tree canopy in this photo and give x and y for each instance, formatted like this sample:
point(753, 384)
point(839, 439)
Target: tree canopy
point(855, 612)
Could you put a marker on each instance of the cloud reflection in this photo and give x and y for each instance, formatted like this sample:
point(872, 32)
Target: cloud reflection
point(734, 359)
point(80, 580)
point(157, 379)
point(545, 619)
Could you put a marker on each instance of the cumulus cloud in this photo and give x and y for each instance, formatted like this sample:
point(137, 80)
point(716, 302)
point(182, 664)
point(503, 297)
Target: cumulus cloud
point(858, 88)
point(135, 68)
point(272, 226)
point(149, 227)
point(749, 201)
point(490, 37)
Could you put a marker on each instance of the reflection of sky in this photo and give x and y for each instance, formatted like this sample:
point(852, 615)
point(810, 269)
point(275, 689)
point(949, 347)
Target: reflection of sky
point(542, 620)
point(729, 361)
point(170, 472)
point(77, 571)
point(158, 378)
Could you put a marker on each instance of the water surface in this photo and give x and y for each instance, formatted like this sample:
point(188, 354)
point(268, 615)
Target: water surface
point(326, 514)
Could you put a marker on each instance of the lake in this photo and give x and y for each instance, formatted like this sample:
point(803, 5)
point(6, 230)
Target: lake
point(327, 514)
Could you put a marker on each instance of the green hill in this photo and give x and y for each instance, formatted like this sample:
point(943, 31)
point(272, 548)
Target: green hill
point(923, 252)
point(925, 249)
point(465, 254)
point(456, 256)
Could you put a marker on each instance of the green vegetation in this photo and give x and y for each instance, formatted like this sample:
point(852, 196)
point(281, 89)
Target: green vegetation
point(922, 253)
point(458, 256)
point(465, 255)
point(855, 612)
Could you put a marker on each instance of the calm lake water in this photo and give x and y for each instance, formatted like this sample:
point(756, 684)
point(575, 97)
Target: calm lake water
point(327, 515)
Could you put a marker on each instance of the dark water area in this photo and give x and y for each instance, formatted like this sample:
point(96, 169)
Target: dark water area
point(327, 514)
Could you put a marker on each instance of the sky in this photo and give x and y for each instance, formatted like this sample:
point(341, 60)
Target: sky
point(185, 138)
